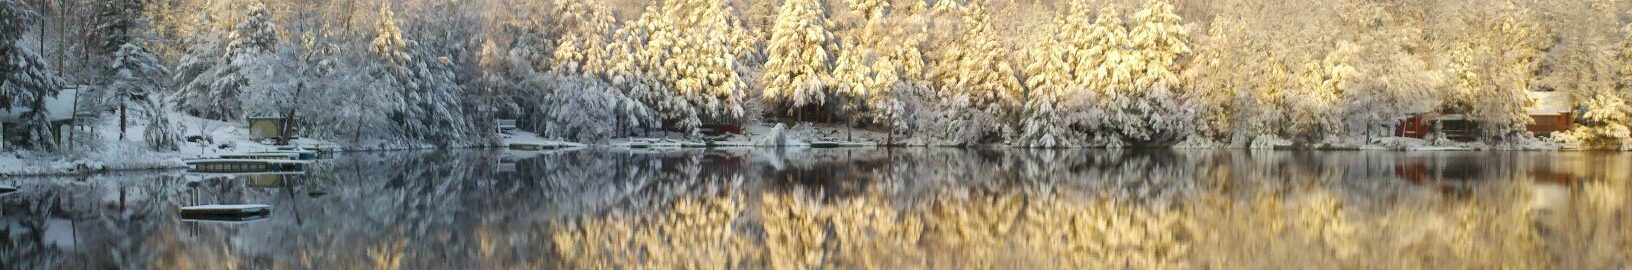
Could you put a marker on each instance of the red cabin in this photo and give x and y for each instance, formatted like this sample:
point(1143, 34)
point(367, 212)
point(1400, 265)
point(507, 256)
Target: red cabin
point(1551, 113)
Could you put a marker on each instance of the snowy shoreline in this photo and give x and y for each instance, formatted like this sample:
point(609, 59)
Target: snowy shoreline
point(128, 158)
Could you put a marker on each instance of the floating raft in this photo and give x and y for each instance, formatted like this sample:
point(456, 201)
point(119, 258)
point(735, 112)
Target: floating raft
point(223, 219)
point(5, 188)
point(245, 165)
point(226, 210)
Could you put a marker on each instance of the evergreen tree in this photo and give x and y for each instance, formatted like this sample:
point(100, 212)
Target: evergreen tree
point(879, 62)
point(634, 67)
point(432, 83)
point(798, 66)
point(1312, 105)
point(1212, 82)
point(1158, 41)
point(692, 48)
point(135, 77)
point(1590, 75)
point(1042, 122)
point(976, 83)
point(235, 78)
point(582, 49)
point(25, 81)
point(193, 74)
point(119, 23)
point(1108, 67)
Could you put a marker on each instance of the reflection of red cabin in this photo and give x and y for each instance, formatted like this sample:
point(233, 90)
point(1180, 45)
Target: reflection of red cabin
point(1551, 113)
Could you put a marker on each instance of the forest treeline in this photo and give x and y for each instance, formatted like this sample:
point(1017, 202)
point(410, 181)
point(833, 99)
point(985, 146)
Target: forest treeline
point(1023, 72)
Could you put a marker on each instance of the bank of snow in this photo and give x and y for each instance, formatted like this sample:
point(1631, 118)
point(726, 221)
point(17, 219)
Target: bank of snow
point(106, 151)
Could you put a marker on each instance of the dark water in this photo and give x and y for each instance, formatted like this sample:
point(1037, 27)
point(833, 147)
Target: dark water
point(848, 209)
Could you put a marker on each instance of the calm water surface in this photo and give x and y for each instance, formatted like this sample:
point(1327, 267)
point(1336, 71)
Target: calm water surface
point(849, 209)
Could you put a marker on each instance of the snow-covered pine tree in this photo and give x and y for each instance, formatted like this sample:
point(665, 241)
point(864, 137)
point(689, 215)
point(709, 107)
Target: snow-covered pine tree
point(872, 76)
point(246, 61)
point(582, 49)
point(1590, 74)
point(1212, 82)
point(635, 66)
point(581, 100)
point(134, 79)
point(696, 52)
point(1158, 41)
point(1311, 113)
point(976, 84)
point(194, 73)
point(1108, 68)
point(796, 73)
point(1042, 123)
point(161, 133)
point(1605, 124)
point(390, 66)
point(434, 90)
point(1260, 107)
point(117, 23)
point(581, 107)
point(25, 81)
point(946, 7)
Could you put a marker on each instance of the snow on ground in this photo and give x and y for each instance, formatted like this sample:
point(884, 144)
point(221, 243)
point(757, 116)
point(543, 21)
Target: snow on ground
point(201, 138)
point(761, 135)
point(531, 139)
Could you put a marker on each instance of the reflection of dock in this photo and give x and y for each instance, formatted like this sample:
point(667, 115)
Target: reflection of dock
point(245, 165)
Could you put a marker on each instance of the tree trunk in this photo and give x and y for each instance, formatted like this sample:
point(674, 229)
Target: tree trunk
point(889, 139)
point(850, 130)
point(283, 129)
point(123, 123)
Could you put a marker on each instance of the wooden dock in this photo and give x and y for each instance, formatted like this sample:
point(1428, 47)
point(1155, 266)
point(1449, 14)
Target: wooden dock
point(226, 210)
point(245, 165)
point(299, 154)
point(266, 156)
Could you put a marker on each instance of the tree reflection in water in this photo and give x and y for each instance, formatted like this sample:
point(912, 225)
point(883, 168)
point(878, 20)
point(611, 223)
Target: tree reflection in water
point(870, 209)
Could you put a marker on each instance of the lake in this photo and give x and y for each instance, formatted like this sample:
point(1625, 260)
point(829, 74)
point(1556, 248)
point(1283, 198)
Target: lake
point(912, 208)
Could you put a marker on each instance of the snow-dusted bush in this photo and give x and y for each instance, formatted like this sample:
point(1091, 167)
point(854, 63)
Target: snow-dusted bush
point(1607, 120)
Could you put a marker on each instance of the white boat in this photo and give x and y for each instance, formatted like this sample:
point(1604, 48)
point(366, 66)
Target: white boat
point(226, 210)
point(5, 188)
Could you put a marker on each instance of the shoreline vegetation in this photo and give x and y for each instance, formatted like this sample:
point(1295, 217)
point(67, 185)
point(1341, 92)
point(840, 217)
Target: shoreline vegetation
point(132, 157)
point(158, 81)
